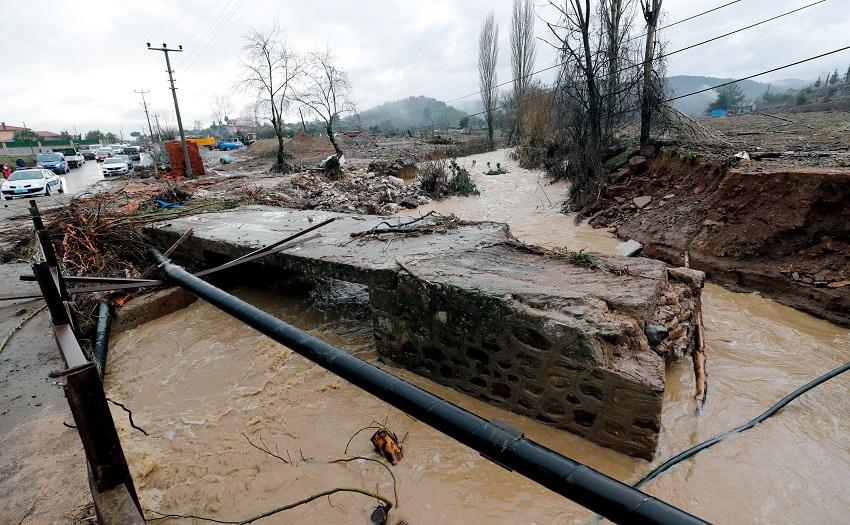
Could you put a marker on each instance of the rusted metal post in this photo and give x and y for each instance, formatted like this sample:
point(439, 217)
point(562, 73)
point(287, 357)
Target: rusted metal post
point(96, 428)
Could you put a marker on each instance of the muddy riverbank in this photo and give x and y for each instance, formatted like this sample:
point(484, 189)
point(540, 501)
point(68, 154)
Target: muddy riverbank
point(756, 226)
point(196, 380)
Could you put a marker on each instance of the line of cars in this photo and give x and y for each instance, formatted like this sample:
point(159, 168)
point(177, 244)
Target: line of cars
point(116, 159)
point(44, 178)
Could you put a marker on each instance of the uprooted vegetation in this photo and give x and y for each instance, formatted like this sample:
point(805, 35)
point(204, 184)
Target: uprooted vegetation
point(441, 178)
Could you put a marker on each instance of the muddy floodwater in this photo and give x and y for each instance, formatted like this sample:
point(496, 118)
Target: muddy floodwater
point(197, 381)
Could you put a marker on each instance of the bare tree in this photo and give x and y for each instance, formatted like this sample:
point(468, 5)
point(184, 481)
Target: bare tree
point(326, 92)
point(617, 17)
point(523, 52)
point(222, 108)
point(271, 71)
point(164, 127)
point(597, 83)
point(651, 13)
point(488, 54)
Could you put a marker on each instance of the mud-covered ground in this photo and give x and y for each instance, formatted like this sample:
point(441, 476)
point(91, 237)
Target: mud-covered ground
point(783, 140)
point(42, 464)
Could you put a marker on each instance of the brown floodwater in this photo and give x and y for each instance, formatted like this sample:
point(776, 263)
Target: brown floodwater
point(197, 381)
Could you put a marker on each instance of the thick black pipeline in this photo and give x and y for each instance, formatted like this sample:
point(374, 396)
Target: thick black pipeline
point(101, 338)
point(616, 501)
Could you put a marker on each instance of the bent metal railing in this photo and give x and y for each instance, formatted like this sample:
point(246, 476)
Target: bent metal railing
point(109, 477)
point(110, 482)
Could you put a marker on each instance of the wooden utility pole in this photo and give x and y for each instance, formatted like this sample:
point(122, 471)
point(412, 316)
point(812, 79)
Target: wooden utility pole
point(142, 92)
point(150, 128)
point(170, 72)
point(651, 11)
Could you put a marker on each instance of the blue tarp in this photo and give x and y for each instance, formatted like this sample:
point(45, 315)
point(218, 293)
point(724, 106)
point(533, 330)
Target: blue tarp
point(718, 112)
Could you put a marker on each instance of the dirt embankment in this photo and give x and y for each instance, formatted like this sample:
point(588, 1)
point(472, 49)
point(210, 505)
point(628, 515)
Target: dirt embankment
point(784, 232)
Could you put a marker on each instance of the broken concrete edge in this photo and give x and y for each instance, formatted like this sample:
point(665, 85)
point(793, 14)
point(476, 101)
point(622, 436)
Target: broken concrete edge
point(148, 307)
point(578, 359)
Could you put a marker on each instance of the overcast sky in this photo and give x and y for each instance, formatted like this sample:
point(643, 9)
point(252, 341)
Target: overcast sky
point(74, 65)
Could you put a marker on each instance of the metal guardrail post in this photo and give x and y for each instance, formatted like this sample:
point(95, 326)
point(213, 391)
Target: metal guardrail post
point(89, 407)
point(111, 484)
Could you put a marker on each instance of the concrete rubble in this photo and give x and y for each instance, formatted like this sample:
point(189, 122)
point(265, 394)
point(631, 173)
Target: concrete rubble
point(466, 305)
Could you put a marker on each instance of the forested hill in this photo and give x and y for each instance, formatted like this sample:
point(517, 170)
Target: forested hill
point(407, 113)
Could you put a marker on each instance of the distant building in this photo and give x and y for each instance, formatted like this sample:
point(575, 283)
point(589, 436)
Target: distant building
point(7, 133)
point(241, 124)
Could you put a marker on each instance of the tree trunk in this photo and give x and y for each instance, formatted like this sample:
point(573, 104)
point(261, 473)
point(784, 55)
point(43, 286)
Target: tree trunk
point(280, 165)
point(281, 155)
point(490, 117)
point(330, 132)
point(651, 16)
point(303, 126)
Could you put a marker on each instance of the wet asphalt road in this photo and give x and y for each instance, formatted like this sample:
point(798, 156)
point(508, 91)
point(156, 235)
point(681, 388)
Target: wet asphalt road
point(77, 181)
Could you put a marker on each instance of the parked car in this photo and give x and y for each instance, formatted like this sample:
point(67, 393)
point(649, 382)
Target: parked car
point(89, 153)
point(31, 181)
point(133, 152)
point(116, 165)
point(52, 161)
point(230, 145)
point(126, 159)
point(103, 154)
point(72, 156)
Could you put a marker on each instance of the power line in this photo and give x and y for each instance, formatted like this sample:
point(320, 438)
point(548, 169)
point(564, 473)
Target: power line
point(760, 74)
point(179, 17)
point(201, 24)
point(204, 32)
point(663, 55)
point(225, 22)
point(685, 20)
point(564, 62)
point(772, 70)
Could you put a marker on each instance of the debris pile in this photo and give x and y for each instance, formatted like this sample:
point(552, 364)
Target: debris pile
point(355, 191)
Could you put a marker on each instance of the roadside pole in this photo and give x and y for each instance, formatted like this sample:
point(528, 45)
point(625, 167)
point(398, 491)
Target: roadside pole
point(154, 153)
point(170, 72)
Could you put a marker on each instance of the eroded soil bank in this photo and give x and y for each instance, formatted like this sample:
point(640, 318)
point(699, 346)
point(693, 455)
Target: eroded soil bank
point(196, 380)
point(782, 231)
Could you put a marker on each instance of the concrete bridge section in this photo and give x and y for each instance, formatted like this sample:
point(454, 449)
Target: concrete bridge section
point(526, 330)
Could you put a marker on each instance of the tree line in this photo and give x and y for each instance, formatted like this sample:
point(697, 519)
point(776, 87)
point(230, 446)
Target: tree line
point(606, 77)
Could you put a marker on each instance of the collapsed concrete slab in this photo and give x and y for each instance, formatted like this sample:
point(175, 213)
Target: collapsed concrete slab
point(555, 337)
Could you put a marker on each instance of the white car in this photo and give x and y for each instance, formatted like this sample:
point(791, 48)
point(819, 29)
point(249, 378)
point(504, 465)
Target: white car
point(29, 182)
point(115, 166)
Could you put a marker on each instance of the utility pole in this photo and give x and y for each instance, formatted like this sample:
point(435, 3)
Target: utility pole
point(170, 72)
point(150, 128)
point(142, 92)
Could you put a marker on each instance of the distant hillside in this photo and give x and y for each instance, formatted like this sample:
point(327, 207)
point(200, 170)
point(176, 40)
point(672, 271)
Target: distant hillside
point(696, 104)
point(407, 113)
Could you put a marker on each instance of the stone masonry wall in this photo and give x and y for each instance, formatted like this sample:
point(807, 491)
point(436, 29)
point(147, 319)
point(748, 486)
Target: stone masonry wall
point(529, 364)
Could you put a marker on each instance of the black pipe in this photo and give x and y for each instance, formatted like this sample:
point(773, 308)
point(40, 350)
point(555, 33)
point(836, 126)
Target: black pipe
point(770, 412)
point(101, 338)
point(616, 501)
